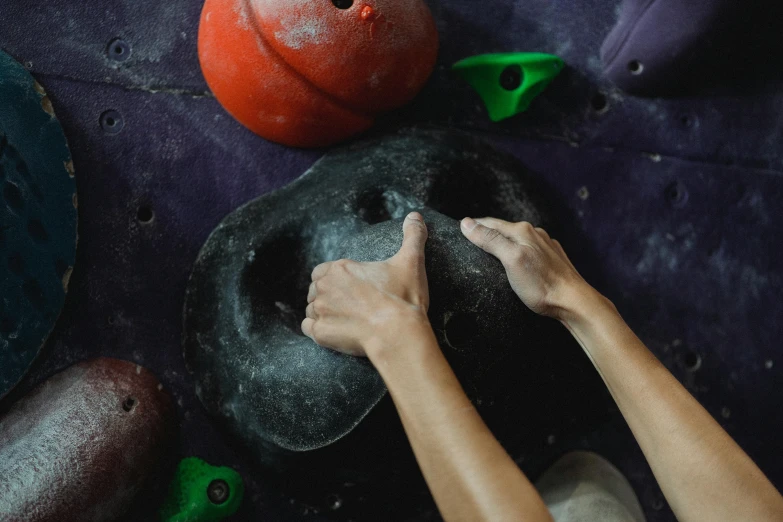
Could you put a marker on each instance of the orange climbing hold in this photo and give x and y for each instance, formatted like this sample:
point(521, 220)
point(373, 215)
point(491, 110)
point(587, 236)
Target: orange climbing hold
point(310, 73)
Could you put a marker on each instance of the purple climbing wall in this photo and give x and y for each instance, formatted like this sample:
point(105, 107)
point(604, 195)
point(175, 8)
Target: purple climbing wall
point(669, 206)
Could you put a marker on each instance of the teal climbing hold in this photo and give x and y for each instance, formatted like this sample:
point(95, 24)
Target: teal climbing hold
point(202, 493)
point(38, 220)
point(508, 82)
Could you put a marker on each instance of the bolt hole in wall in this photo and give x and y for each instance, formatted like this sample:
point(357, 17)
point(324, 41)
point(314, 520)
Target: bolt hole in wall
point(692, 361)
point(145, 215)
point(686, 121)
point(676, 194)
point(635, 67)
point(600, 103)
point(343, 4)
point(118, 50)
point(111, 122)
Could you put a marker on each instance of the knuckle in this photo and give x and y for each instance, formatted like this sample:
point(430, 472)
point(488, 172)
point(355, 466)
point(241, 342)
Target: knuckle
point(316, 270)
point(343, 264)
point(525, 227)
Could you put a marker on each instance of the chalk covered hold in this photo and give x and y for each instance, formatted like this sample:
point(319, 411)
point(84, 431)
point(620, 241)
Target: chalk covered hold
point(311, 73)
point(81, 445)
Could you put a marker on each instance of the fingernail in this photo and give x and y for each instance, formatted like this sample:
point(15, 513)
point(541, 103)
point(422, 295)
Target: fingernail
point(414, 216)
point(469, 224)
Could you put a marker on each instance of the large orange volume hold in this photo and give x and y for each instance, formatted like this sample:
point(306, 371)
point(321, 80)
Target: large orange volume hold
point(310, 73)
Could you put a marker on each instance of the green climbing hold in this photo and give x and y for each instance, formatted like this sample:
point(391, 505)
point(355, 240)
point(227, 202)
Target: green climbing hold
point(508, 82)
point(202, 493)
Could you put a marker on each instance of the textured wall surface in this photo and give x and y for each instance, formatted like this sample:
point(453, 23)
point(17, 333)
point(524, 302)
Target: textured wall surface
point(669, 206)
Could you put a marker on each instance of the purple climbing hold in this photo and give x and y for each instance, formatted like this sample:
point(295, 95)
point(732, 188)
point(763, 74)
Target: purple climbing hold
point(654, 42)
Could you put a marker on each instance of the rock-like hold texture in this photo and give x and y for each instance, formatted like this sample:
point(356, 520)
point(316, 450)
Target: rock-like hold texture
point(312, 73)
point(81, 445)
point(281, 394)
point(37, 220)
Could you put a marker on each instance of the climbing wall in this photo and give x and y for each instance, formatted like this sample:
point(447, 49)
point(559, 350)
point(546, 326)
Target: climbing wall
point(669, 206)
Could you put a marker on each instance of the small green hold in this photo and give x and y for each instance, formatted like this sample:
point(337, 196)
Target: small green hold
point(202, 493)
point(508, 82)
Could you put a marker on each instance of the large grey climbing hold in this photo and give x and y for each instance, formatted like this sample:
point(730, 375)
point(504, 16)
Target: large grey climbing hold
point(281, 394)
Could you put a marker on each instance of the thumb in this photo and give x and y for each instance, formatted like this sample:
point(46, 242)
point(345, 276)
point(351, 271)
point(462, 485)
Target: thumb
point(486, 238)
point(414, 235)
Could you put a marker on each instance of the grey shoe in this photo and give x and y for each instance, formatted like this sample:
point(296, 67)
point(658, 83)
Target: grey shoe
point(585, 487)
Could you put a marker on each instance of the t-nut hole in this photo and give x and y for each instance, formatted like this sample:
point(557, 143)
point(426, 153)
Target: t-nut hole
point(118, 50)
point(111, 122)
point(218, 491)
point(145, 215)
point(511, 78)
point(343, 4)
point(692, 361)
point(600, 103)
point(635, 67)
point(676, 193)
point(129, 403)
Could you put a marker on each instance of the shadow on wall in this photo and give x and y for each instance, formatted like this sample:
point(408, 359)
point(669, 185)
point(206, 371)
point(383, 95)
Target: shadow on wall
point(744, 56)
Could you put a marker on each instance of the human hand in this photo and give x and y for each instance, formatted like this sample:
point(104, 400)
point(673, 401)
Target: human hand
point(536, 265)
point(355, 306)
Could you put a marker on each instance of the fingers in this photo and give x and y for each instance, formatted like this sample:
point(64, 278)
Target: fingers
point(307, 328)
point(323, 335)
point(320, 271)
point(311, 293)
point(488, 239)
point(543, 233)
point(506, 228)
point(414, 235)
point(310, 311)
point(513, 231)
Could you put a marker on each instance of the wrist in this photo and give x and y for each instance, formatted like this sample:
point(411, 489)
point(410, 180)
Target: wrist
point(401, 329)
point(579, 303)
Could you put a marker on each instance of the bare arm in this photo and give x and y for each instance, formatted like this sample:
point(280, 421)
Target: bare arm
point(702, 472)
point(379, 310)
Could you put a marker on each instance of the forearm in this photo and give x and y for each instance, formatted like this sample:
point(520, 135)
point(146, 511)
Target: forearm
point(702, 472)
point(470, 475)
